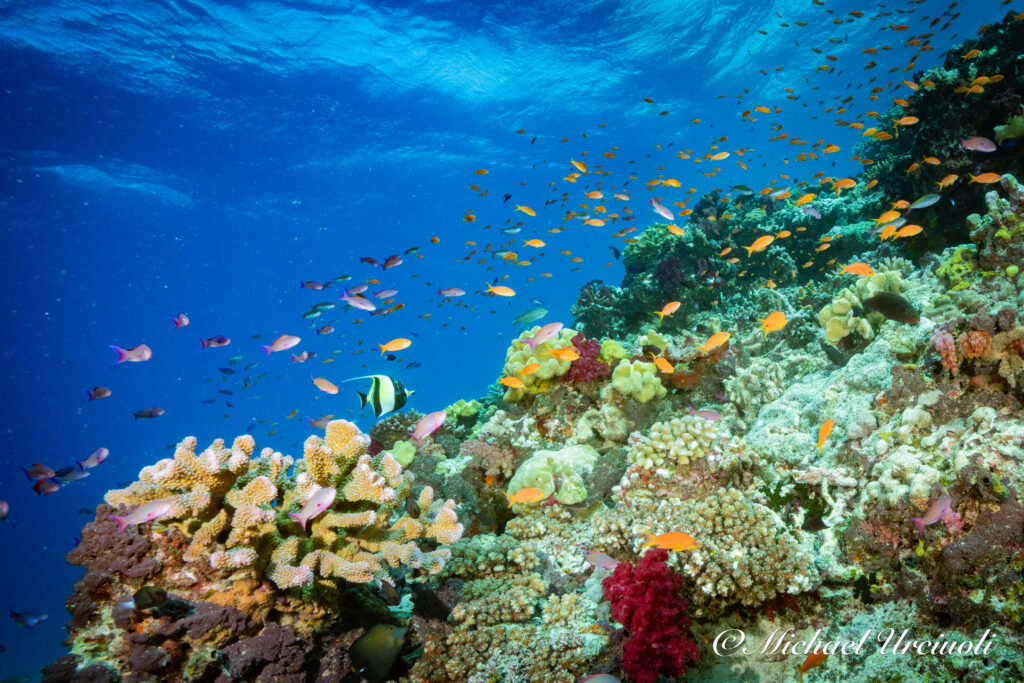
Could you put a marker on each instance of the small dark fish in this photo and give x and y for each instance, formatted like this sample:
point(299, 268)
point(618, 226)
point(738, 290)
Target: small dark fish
point(412, 250)
point(615, 252)
point(229, 404)
point(226, 392)
point(390, 356)
point(3, 650)
point(27, 619)
point(508, 196)
point(813, 524)
point(208, 401)
point(227, 371)
point(250, 366)
point(149, 413)
point(149, 596)
point(892, 306)
point(69, 474)
point(97, 392)
point(374, 652)
point(410, 366)
point(85, 511)
point(369, 260)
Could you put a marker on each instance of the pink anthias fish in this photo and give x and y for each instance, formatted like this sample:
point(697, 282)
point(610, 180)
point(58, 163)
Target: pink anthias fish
point(320, 501)
point(427, 426)
point(936, 512)
point(392, 261)
point(385, 294)
point(38, 471)
point(98, 456)
point(977, 144)
point(181, 320)
point(709, 415)
point(357, 289)
point(356, 301)
point(599, 559)
point(660, 209)
point(5, 508)
point(312, 284)
point(214, 342)
point(137, 355)
point(303, 357)
point(45, 487)
point(318, 424)
point(543, 334)
point(282, 343)
point(98, 392)
point(452, 291)
point(144, 513)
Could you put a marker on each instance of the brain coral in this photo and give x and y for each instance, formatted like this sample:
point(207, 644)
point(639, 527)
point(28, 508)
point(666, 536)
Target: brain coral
point(232, 508)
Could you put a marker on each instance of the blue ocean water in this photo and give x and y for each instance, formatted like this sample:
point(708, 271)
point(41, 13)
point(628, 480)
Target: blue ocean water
point(203, 158)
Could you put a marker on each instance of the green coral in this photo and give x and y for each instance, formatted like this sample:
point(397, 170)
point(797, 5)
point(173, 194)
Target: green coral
point(1013, 129)
point(638, 380)
point(463, 409)
point(404, 451)
point(957, 269)
point(519, 355)
point(652, 338)
point(841, 318)
point(559, 472)
point(612, 351)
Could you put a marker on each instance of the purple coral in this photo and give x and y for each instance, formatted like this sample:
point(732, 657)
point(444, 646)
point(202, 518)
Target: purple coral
point(668, 272)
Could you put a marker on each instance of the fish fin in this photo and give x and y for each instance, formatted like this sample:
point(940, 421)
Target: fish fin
point(122, 522)
point(122, 355)
point(298, 518)
point(509, 499)
point(89, 394)
point(362, 399)
point(81, 465)
point(920, 526)
point(266, 349)
point(204, 342)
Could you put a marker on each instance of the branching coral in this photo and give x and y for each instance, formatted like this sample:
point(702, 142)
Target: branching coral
point(673, 444)
point(356, 539)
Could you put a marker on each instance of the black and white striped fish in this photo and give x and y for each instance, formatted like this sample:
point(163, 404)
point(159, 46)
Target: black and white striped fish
point(385, 394)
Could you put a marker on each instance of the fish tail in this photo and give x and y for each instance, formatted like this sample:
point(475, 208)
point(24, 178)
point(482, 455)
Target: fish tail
point(362, 399)
point(509, 499)
point(382, 350)
point(122, 355)
point(800, 677)
point(750, 250)
point(919, 521)
point(122, 522)
point(89, 394)
point(81, 465)
point(298, 518)
point(266, 349)
point(204, 342)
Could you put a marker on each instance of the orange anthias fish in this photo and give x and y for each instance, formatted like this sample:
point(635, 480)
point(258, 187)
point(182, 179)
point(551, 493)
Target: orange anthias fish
point(325, 385)
point(985, 178)
point(909, 231)
point(676, 230)
point(569, 353)
point(843, 184)
point(512, 382)
point(530, 369)
point(809, 197)
point(858, 268)
point(760, 244)
point(527, 210)
point(663, 365)
point(673, 540)
point(774, 321)
point(887, 217)
point(668, 309)
point(713, 342)
point(395, 345)
point(527, 495)
point(534, 243)
point(816, 658)
point(826, 429)
point(500, 290)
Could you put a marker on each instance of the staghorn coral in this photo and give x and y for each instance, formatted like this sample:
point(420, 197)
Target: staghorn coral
point(357, 539)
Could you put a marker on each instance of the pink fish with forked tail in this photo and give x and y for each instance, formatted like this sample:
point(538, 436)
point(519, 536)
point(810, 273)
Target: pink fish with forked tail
point(282, 343)
point(137, 355)
point(98, 456)
point(543, 334)
point(181, 320)
point(660, 209)
point(320, 501)
point(144, 513)
point(937, 510)
point(427, 426)
point(452, 291)
point(357, 301)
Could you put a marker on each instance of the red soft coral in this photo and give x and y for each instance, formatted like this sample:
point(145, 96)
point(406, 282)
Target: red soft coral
point(943, 342)
point(587, 368)
point(645, 599)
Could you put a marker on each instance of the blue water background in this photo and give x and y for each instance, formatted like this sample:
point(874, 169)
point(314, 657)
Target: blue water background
point(189, 157)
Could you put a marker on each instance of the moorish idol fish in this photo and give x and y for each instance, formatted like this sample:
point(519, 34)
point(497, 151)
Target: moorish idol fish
point(385, 394)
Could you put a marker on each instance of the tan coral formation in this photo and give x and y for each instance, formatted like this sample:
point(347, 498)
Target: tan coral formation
point(232, 507)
